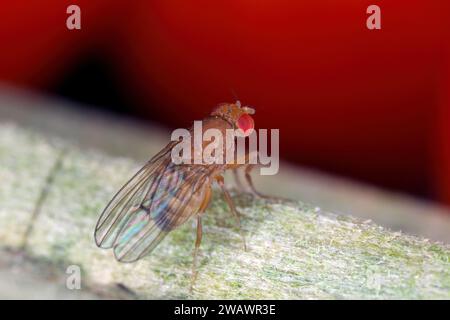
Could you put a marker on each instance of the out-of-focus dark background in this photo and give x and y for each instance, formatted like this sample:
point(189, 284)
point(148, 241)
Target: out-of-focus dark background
point(371, 105)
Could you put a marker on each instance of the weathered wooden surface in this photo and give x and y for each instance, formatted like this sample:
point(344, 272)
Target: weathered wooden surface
point(295, 250)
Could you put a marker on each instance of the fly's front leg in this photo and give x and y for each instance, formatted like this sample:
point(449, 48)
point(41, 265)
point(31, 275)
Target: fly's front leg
point(248, 178)
point(230, 203)
point(249, 161)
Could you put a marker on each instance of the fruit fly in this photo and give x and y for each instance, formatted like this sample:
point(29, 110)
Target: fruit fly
point(162, 195)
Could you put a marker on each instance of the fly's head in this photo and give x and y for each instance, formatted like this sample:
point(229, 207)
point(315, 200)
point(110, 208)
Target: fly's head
point(237, 115)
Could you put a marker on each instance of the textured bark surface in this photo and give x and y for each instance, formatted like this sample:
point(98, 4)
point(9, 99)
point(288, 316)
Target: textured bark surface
point(52, 192)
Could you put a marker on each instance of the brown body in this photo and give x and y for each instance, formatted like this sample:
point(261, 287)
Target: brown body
point(163, 195)
point(201, 199)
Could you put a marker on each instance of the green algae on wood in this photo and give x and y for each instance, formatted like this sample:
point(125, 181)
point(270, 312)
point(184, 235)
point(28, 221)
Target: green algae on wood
point(295, 251)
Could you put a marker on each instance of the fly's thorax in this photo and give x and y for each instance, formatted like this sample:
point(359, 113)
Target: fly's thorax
point(211, 142)
point(214, 141)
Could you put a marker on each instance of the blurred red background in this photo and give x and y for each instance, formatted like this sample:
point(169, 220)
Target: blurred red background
point(367, 104)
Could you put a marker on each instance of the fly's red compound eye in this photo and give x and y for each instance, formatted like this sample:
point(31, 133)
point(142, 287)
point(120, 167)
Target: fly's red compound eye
point(246, 124)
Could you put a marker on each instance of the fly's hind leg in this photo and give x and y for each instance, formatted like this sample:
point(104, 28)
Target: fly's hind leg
point(198, 239)
point(230, 203)
point(246, 161)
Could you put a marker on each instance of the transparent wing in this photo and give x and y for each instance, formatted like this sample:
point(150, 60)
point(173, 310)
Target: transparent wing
point(156, 200)
point(176, 197)
point(128, 197)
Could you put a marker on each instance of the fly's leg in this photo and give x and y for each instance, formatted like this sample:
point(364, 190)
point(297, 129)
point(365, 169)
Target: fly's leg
point(255, 192)
point(198, 239)
point(230, 203)
point(237, 180)
point(249, 180)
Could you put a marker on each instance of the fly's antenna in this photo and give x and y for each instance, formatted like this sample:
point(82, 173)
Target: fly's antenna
point(236, 98)
point(248, 110)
